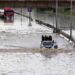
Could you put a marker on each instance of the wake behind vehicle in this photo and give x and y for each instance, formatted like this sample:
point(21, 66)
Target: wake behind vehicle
point(47, 42)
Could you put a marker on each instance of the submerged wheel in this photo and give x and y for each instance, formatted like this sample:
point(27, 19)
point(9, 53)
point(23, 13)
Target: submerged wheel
point(56, 46)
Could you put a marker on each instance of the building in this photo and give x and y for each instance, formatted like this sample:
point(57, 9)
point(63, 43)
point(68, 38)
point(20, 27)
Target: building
point(34, 3)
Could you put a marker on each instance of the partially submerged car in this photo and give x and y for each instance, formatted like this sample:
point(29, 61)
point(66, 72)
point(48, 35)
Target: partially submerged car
point(47, 42)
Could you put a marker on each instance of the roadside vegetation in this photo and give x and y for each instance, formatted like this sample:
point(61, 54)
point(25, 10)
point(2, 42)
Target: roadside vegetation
point(61, 11)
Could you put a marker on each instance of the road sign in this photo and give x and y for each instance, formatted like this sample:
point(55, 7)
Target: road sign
point(29, 9)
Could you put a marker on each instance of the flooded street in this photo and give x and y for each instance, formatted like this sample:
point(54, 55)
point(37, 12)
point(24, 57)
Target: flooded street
point(47, 62)
point(20, 52)
point(18, 34)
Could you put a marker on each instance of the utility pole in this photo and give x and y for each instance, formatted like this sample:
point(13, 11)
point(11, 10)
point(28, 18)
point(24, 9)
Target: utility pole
point(21, 16)
point(56, 16)
point(71, 19)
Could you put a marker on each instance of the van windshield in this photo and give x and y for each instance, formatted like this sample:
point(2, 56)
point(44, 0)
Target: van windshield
point(8, 12)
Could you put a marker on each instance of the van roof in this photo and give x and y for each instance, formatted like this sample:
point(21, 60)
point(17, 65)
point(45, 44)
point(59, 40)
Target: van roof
point(8, 8)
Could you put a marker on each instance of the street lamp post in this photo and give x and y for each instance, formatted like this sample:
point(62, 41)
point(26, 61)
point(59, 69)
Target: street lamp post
point(71, 19)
